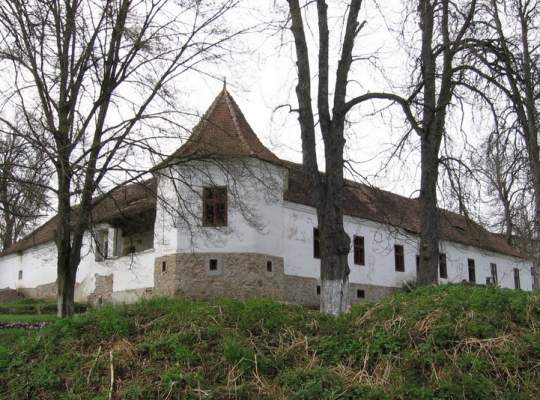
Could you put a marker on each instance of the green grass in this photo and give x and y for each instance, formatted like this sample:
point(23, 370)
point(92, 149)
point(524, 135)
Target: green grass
point(448, 342)
point(27, 317)
point(34, 306)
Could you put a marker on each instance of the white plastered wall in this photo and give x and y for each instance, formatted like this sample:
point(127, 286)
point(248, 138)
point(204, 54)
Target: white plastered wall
point(38, 266)
point(379, 241)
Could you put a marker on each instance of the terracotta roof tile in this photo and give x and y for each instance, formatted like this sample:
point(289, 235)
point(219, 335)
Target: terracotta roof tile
point(223, 131)
point(378, 205)
point(122, 202)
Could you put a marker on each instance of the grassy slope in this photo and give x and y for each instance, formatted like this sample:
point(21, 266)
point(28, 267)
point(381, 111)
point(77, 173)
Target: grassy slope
point(445, 342)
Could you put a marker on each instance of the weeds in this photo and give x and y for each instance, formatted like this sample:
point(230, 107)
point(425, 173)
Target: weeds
point(448, 342)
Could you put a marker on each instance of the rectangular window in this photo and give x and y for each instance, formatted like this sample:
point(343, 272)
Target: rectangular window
point(494, 275)
point(269, 266)
point(443, 272)
point(318, 290)
point(359, 256)
point(102, 245)
point(517, 283)
point(215, 206)
point(163, 266)
point(399, 258)
point(213, 264)
point(316, 244)
point(20, 275)
point(472, 270)
point(360, 294)
point(417, 264)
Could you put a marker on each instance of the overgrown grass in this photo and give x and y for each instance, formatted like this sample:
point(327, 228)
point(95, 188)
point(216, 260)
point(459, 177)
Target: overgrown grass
point(34, 306)
point(27, 317)
point(448, 342)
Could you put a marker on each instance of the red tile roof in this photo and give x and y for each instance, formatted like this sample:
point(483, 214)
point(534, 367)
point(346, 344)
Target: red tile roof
point(223, 131)
point(122, 202)
point(397, 211)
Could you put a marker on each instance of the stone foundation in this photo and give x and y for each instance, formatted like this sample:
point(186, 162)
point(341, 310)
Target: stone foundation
point(45, 291)
point(238, 275)
point(243, 275)
point(103, 290)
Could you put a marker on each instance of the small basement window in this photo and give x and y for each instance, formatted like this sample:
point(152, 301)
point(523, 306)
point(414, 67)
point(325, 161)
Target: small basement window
point(318, 289)
point(213, 265)
point(360, 294)
point(163, 266)
point(20, 274)
point(269, 266)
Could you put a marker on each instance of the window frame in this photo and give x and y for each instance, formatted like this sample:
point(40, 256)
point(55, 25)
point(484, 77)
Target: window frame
point(517, 279)
point(399, 258)
point(359, 250)
point(215, 197)
point(101, 238)
point(471, 267)
point(316, 243)
point(494, 273)
point(442, 262)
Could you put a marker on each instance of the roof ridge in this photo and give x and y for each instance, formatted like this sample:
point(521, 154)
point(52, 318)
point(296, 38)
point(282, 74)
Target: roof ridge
point(235, 120)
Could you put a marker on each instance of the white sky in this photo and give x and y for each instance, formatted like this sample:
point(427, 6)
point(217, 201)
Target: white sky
point(263, 76)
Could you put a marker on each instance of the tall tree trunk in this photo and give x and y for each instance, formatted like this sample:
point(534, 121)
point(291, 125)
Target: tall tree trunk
point(65, 273)
point(429, 236)
point(535, 240)
point(335, 243)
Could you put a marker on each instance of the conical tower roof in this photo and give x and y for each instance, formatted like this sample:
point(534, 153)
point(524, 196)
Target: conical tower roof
point(224, 132)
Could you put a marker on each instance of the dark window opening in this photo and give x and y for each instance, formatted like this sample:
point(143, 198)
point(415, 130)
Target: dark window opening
point(318, 290)
point(163, 266)
point(215, 206)
point(101, 239)
point(494, 275)
point(269, 266)
point(316, 244)
point(359, 254)
point(472, 271)
point(20, 275)
point(517, 282)
point(443, 271)
point(417, 264)
point(399, 258)
point(360, 294)
point(213, 264)
point(133, 233)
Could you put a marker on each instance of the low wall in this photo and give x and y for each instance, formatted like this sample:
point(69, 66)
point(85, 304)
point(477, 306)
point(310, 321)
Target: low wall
point(243, 275)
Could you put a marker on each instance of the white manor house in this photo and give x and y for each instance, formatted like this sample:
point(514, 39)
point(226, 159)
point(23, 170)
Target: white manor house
point(224, 216)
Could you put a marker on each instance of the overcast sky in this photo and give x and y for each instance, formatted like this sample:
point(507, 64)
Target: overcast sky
point(262, 77)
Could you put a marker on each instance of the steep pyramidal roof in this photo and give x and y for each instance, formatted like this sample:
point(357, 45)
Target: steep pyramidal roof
point(223, 131)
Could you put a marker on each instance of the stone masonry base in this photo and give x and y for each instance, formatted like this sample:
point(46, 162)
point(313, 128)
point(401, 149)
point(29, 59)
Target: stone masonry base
point(243, 275)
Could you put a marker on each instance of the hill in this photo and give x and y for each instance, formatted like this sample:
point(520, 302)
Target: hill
point(446, 342)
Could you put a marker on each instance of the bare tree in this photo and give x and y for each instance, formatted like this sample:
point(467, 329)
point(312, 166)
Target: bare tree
point(445, 27)
point(98, 79)
point(24, 177)
point(327, 191)
point(509, 55)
